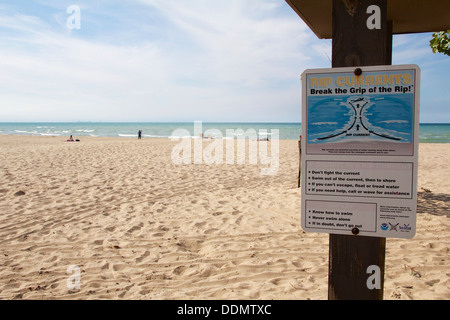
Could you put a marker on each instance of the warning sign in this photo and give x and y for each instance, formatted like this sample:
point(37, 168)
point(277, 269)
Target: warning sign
point(360, 141)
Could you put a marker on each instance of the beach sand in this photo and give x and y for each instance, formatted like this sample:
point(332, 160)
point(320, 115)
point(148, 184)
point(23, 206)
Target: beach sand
point(138, 226)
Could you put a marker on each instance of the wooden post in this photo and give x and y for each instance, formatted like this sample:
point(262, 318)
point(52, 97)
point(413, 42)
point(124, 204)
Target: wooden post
point(354, 44)
point(299, 161)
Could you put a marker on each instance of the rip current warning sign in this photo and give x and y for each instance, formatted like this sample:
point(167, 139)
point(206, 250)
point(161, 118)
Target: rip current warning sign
point(360, 129)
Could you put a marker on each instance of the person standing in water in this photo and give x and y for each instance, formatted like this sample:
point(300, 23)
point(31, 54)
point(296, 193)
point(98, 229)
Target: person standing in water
point(139, 134)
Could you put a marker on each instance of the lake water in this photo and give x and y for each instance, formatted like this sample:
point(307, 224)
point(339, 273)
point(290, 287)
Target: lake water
point(429, 133)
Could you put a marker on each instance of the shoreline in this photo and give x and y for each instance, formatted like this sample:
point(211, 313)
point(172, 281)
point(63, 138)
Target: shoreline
point(65, 138)
point(429, 133)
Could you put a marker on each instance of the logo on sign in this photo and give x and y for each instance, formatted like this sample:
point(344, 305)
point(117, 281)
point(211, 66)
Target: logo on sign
point(384, 226)
point(393, 227)
point(405, 228)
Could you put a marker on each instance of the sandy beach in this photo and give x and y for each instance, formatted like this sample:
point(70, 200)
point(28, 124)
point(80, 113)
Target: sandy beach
point(139, 226)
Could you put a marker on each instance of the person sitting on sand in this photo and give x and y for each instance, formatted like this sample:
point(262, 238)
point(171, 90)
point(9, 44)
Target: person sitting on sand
point(71, 139)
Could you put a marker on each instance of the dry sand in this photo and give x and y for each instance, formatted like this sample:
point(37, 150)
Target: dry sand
point(140, 227)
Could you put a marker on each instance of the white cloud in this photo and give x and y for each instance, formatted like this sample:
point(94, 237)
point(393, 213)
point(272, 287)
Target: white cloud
point(237, 41)
point(157, 60)
point(209, 59)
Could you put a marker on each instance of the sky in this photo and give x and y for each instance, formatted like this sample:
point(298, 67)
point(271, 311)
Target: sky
point(174, 61)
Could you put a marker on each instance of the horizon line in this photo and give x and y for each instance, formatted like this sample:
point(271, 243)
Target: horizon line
point(156, 122)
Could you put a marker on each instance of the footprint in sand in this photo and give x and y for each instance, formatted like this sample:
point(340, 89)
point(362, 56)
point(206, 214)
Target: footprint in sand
point(179, 270)
point(136, 228)
point(141, 258)
point(200, 224)
point(189, 245)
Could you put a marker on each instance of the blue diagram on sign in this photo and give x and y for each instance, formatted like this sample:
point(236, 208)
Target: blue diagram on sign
point(361, 118)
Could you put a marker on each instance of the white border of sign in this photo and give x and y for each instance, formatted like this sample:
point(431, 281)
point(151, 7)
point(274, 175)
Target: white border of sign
point(360, 135)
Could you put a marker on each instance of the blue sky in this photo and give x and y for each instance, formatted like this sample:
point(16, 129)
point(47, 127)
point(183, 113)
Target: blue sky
point(175, 60)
